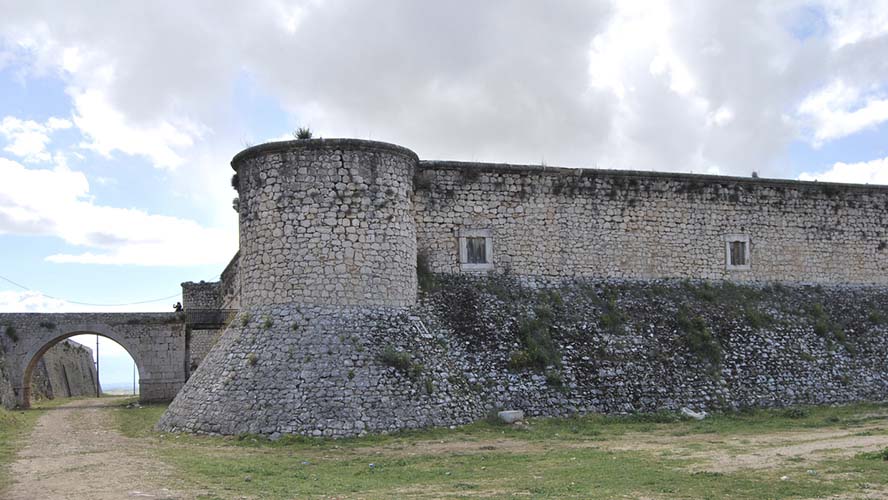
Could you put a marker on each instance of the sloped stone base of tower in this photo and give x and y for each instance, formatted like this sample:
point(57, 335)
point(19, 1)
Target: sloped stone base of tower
point(321, 372)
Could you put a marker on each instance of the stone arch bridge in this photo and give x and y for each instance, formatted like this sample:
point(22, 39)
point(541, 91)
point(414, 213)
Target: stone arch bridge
point(157, 342)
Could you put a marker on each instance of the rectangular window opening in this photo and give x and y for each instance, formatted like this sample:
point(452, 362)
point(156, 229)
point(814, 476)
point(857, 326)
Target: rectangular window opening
point(738, 253)
point(476, 250)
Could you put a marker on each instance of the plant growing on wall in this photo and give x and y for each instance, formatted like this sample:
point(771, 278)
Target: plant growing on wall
point(425, 278)
point(401, 361)
point(698, 337)
point(535, 334)
point(302, 133)
point(10, 332)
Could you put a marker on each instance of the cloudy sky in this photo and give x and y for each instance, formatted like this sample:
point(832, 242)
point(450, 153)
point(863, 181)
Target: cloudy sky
point(118, 119)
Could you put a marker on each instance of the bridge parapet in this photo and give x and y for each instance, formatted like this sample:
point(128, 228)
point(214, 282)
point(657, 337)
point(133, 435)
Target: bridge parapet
point(156, 342)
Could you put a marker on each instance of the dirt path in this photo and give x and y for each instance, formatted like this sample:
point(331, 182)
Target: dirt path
point(75, 452)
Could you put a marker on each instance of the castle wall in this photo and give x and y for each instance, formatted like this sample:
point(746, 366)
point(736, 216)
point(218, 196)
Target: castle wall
point(230, 287)
point(326, 222)
point(65, 370)
point(200, 342)
point(201, 296)
point(587, 308)
point(553, 222)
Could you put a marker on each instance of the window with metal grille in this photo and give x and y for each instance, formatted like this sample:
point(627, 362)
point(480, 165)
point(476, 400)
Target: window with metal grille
point(476, 250)
point(738, 253)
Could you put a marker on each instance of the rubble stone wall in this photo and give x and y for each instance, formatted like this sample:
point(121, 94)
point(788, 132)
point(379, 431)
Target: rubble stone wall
point(472, 345)
point(555, 222)
point(201, 295)
point(66, 370)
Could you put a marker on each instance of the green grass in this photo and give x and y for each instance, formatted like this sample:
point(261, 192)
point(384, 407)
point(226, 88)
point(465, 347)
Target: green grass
point(15, 426)
point(564, 458)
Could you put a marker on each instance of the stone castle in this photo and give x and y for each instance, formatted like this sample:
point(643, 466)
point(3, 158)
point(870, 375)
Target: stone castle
point(377, 292)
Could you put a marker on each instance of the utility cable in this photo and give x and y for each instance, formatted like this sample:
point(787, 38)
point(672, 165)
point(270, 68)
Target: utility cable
point(23, 287)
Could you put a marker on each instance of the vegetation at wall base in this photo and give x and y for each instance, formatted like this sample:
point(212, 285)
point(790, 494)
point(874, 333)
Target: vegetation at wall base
point(660, 455)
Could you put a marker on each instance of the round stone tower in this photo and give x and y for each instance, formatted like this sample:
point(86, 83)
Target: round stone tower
point(327, 277)
point(326, 222)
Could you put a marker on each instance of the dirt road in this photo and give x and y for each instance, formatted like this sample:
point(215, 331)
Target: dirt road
point(75, 452)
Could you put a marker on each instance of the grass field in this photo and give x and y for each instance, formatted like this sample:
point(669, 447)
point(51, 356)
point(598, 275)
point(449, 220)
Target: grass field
point(799, 453)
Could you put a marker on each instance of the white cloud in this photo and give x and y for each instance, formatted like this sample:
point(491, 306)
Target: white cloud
point(839, 110)
point(108, 130)
point(855, 21)
point(28, 139)
point(869, 172)
point(652, 85)
point(57, 202)
point(27, 301)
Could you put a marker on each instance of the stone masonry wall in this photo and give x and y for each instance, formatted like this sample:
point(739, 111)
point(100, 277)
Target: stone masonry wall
point(66, 370)
point(201, 295)
point(598, 301)
point(201, 341)
point(553, 222)
point(474, 345)
point(326, 222)
point(156, 341)
point(230, 287)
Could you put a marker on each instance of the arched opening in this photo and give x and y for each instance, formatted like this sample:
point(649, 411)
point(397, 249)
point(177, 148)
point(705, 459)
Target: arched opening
point(113, 355)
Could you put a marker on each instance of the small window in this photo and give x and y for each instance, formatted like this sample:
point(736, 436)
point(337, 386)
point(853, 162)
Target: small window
point(475, 249)
point(737, 252)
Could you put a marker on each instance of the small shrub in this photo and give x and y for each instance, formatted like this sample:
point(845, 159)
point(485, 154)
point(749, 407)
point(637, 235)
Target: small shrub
point(10, 332)
point(519, 360)
point(235, 181)
point(536, 335)
point(805, 356)
point(821, 328)
point(351, 374)
point(295, 326)
point(401, 361)
point(429, 386)
point(699, 338)
point(877, 317)
point(614, 318)
point(252, 359)
point(49, 325)
point(553, 378)
point(425, 278)
point(267, 322)
point(874, 455)
point(245, 319)
point(756, 318)
point(302, 133)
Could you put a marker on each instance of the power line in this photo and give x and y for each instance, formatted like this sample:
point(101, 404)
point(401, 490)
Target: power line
point(23, 287)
